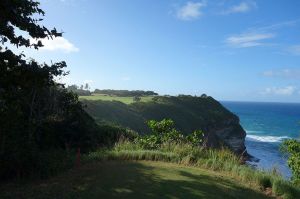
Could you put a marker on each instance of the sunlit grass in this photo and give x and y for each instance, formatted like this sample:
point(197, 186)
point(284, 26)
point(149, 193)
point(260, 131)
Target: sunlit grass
point(220, 161)
point(125, 100)
point(141, 179)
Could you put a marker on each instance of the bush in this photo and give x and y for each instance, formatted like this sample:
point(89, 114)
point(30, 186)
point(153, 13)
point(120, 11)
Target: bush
point(163, 134)
point(292, 148)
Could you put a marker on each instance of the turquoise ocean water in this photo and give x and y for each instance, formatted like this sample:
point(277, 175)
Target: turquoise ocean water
point(267, 125)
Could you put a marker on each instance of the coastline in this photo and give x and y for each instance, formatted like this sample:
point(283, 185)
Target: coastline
point(267, 124)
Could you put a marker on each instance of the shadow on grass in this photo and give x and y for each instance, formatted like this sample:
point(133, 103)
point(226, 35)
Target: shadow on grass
point(135, 180)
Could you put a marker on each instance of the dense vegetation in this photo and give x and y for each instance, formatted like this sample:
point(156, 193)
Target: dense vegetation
point(105, 174)
point(124, 93)
point(189, 113)
point(41, 122)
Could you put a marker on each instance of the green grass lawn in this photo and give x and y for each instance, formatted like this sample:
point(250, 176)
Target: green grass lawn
point(142, 179)
point(125, 100)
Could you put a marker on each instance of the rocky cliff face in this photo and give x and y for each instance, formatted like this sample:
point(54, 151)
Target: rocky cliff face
point(230, 134)
point(189, 113)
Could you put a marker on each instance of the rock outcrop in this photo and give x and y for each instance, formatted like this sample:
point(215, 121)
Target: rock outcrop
point(231, 135)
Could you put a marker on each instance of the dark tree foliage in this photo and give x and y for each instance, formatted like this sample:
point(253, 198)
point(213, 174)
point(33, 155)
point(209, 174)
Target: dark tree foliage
point(19, 13)
point(136, 98)
point(81, 92)
point(37, 115)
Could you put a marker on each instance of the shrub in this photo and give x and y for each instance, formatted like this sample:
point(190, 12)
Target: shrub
point(292, 147)
point(164, 135)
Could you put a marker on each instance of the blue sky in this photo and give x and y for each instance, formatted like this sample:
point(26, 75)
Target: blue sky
point(242, 50)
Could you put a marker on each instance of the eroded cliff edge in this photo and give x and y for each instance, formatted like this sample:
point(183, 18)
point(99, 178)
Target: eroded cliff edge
point(221, 127)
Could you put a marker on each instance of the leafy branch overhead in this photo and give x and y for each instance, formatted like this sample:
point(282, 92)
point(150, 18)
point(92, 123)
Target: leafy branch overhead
point(38, 117)
point(19, 14)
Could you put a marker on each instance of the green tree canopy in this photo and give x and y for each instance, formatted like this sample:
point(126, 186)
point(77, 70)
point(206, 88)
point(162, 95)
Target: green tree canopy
point(36, 113)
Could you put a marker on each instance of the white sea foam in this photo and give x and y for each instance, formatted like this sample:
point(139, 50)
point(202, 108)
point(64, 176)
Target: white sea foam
point(266, 138)
point(250, 132)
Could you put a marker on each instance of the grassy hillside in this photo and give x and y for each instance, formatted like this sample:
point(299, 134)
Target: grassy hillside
point(125, 100)
point(189, 113)
point(114, 179)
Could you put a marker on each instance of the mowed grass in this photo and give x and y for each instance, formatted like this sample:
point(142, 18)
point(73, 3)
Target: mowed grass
point(125, 100)
point(138, 179)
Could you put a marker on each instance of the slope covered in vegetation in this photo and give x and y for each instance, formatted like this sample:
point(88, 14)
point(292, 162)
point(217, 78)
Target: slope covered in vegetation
point(220, 126)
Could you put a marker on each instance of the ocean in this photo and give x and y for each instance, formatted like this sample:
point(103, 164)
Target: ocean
point(267, 125)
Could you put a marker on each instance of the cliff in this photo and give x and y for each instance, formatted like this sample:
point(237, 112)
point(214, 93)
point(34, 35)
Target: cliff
point(189, 113)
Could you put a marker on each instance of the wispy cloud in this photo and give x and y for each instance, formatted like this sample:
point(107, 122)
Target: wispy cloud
point(190, 11)
point(283, 73)
point(287, 90)
point(257, 36)
point(295, 50)
point(243, 7)
point(248, 39)
point(275, 26)
point(58, 44)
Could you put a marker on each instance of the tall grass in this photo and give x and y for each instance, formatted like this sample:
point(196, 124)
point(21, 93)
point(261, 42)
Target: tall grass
point(217, 160)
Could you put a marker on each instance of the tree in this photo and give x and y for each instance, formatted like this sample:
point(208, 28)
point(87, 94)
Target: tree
point(86, 87)
point(73, 87)
point(136, 98)
point(36, 113)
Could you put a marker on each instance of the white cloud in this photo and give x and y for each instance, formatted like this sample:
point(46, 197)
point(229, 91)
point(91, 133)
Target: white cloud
point(248, 40)
point(283, 73)
point(288, 90)
point(243, 7)
point(190, 11)
point(58, 44)
point(295, 50)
